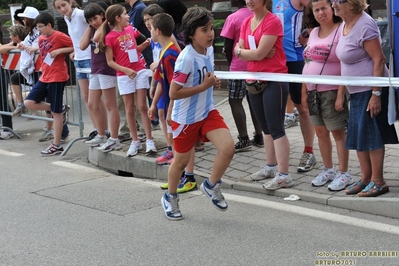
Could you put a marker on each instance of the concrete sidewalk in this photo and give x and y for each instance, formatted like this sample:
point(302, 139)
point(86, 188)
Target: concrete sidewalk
point(246, 163)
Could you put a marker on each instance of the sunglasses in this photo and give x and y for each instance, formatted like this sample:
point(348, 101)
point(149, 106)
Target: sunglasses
point(338, 2)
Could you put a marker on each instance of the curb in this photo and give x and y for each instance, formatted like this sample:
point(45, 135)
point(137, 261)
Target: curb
point(145, 167)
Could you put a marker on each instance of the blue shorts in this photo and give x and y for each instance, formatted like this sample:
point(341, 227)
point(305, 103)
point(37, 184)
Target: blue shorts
point(82, 64)
point(161, 103)
point(51, 92)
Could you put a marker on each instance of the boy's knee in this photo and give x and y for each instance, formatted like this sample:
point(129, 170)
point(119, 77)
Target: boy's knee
point(28, 103)
point(230, 150)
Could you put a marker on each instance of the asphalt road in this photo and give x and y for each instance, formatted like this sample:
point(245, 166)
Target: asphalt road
point(64, 211)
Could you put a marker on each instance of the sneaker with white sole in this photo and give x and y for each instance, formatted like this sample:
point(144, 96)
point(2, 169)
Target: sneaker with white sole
point(19, 110)
point(52, 150)
point(150, 146)
point(341, 181)
point(214, 194)
point(97, 141)
point(306, 163)
point(326, 176)
point(111, 145)
point(290, 121)
point(279, 181)
point(264, 172)
point(6, 135)
point(170, 205)
point(46, 136)
point(165, 157)
point(135, 147)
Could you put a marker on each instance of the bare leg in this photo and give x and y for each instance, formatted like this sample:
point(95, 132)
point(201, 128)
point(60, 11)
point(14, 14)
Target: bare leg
point(161, 115)
point(94, 110)
point(342, 151)
point(111, 105)
point(365, 166)
point(57, 128)
point(175, 169)
point(141, 95)
point(130, 108)
point(224, 144)
point(307, 128)
point(325, 145)
point(377, 165)
point(18, 92)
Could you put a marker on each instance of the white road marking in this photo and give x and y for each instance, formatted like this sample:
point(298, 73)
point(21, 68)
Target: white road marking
point(10, 153)
point(74, 166)
point(332, 217)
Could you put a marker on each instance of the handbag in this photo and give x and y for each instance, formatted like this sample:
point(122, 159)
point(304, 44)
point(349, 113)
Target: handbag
point(313, 95)
point(256, 87)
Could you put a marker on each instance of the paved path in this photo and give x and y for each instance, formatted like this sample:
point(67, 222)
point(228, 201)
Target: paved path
point(242, 165)
point(248, 162)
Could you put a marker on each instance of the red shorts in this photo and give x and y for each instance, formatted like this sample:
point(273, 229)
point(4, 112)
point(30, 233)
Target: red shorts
point(185, 136)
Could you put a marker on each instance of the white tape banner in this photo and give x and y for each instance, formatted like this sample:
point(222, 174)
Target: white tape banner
point(316, 79)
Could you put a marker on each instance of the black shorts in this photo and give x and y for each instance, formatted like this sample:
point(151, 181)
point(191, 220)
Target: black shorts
point(295, 88)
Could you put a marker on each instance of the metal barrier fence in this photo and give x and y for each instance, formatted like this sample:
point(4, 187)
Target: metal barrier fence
point(8, 99)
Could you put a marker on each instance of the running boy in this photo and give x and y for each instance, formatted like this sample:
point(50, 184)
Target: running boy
point(194, 114)
point(53, 45)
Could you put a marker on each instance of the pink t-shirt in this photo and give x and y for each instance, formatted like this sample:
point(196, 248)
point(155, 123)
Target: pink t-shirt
point(124, 48)
point(270, 25)
point(315, 55)
point(231, 30)
point(355, 61)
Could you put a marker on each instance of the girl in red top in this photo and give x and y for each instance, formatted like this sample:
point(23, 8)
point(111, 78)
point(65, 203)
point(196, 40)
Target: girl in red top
point(125, 57)
point(259, 34)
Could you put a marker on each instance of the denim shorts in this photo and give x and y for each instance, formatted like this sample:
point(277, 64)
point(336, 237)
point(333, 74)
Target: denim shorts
point(366, 133)
point(82, 64)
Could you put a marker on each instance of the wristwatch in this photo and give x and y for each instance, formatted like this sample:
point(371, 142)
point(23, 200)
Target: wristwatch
point(377, 93)
point(238, 51)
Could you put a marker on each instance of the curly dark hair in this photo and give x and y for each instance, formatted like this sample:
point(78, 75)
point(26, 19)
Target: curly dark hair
point(309, 21)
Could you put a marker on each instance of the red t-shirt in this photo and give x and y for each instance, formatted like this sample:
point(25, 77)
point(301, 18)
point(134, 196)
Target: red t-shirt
point(270, 25)
point(58, 70)
point(122, 44)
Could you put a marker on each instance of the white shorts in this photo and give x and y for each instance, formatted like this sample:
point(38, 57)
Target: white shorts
point(101, 82)
point(127, 85)
point(168, 129)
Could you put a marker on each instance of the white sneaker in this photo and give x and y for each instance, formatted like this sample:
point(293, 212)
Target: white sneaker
point(341, 181)
point(111, 145)
point(324, 177)
point(279, 181)
point(134, 148)
point(264, 172)
point(6, 135)
point(150, 146)
point(97, 141)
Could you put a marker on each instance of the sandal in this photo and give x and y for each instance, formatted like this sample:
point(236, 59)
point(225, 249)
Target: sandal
point(372, 190)
point(355, 188)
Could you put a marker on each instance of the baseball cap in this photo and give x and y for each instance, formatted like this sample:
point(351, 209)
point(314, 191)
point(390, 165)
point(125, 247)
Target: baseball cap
point(30, 12)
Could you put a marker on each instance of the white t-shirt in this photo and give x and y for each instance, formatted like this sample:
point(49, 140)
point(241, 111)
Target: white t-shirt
point(156, 50)
point(190, 69)
point(76, 29)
